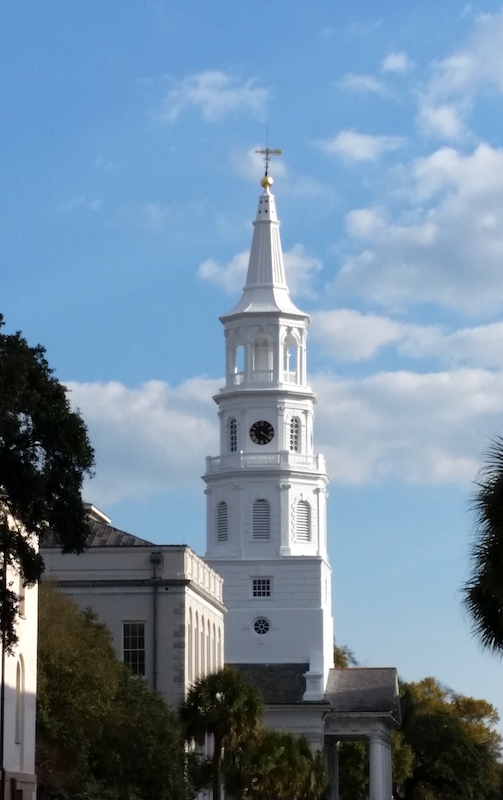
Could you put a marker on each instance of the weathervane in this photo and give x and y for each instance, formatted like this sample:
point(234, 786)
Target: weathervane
point(267, 153)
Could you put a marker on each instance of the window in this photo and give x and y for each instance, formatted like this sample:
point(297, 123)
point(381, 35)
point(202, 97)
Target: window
point(21, 596)
point(222, 522)
point(303, 522)
point(261, 626)
point(261, 519)
point(233, 435)
point(294, 434)
point(202, 652)
point(134, 647)
point(196, 648)
point(19, 718)
point(261, 587)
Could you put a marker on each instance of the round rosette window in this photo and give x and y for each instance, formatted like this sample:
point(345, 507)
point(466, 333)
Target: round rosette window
point(261, 626)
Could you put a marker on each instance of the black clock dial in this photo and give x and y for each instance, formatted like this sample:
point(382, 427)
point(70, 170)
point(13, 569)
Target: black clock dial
point(261, 432)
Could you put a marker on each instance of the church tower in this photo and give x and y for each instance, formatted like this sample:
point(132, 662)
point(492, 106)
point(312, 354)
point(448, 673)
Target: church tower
point(266, 490)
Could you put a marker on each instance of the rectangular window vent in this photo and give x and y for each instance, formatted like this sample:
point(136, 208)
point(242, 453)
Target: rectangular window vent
point(261, 587)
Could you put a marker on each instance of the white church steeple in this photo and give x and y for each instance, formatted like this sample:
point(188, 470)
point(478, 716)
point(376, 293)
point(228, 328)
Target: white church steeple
point(266, 490)
point(266, 288)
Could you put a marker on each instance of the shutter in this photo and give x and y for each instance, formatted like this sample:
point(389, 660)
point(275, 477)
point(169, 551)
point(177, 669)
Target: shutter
point(261, 519)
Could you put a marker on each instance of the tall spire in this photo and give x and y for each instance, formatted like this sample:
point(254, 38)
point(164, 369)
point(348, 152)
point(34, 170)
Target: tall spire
point(266, 288)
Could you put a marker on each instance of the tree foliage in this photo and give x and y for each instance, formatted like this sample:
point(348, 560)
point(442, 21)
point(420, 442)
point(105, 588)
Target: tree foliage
point(450, 743)
point(274, 765)
point(100, 730)
point(225, 706)
point(483, 592)
point(44, 455)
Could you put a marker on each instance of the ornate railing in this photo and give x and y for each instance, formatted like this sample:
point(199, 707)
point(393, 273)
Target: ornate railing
point(250, 460)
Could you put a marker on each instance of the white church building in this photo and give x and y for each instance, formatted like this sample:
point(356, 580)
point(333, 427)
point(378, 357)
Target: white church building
point(267, 526)
point(266, 538)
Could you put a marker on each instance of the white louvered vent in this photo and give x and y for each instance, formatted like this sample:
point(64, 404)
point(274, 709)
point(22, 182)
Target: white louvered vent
point(303, 526)
point(261, 519)
point(222, 522)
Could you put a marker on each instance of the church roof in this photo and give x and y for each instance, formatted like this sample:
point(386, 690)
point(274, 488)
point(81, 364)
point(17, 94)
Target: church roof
point(277, 683)
point(352, 690)
point(363, 690)
point(266, 289)
point(102, 535)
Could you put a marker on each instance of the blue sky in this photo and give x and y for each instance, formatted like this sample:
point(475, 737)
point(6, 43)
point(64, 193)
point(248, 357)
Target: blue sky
point(129, 183)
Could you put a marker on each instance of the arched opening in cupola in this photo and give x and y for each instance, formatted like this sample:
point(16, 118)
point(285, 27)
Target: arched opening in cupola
point(239, 364)
point(290, 359)
point(262, 359)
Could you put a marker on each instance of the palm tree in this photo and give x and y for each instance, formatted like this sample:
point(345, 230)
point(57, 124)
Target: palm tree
point(483, 592)
point(226, 707)
point(275, 765)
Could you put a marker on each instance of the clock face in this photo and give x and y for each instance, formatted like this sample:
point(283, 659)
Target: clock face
point(261, 432)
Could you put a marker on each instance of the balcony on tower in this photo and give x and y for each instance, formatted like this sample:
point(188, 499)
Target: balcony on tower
point(283, 458)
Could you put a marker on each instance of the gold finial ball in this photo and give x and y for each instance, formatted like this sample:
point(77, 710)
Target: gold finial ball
point(266, 181)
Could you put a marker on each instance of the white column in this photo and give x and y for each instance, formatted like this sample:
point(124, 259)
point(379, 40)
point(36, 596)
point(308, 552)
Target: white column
point(380, 767)
point(331, 752)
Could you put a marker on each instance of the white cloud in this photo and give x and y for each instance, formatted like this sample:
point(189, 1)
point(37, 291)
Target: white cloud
point(396, 62)
point(348, 335)
point(447, 250)
point(448, 97)
point(354, 146)
point(445, 120)
point(215, 94)
point(406, 427)
point(230, 276)
point(364, 84)
point(147, 439)
point(300, 269)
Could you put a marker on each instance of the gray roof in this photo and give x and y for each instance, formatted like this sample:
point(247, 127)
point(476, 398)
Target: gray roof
point(363, 690)
point(102, 535)
point(277, 683)
point(352, 690)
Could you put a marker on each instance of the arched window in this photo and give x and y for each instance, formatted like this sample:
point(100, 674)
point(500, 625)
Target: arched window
point(290, 352)
point(208, 649)
point(261, 519)
point(19, 718)
point(21, 596)
point(190, 649)
point(222, 522)
point(203, 651)
point(303, 522)
point(214, 649)
point(196, 647)
point(239, 368)
point(294, 434)
point(233, 435)
point(262, 359)
point(219, 648)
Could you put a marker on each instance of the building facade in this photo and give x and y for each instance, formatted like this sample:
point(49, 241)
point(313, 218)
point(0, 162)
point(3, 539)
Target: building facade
point(161, 603)
point(18, 701)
